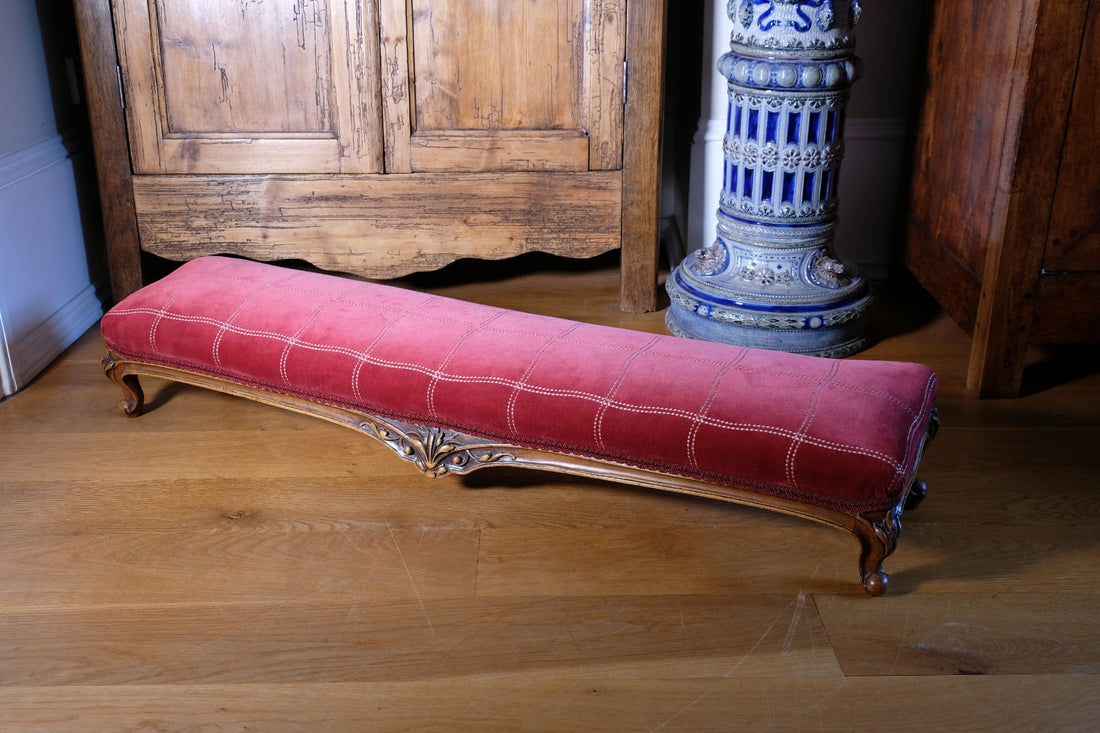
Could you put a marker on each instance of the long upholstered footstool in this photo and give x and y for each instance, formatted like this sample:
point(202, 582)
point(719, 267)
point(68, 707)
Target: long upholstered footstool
point(454, 386)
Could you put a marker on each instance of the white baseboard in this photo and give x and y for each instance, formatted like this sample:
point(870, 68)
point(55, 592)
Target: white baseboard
point(24, 360)
point(19, 165)
point(7, 371)
point(46, 299)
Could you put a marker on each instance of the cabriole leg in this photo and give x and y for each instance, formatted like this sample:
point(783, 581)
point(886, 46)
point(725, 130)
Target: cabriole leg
point(878, 538)
point(134, 398)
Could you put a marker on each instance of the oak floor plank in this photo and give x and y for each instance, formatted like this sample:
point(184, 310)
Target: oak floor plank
point(932, 558)
point(795, 557)
point(103, 503)
point(994, 558)
point(973, 703)
point(966, 634)
point(172, 455)
point(236, 565)
point(370, 637)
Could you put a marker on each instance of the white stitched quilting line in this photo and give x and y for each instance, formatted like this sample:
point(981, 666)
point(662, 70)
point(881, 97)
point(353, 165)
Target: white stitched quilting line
point(510, 408)
point(160, 313)
point(363, 357)
point(329, 300)
point(918, 424)
point(840, 380)
point(471, 329)
point(597, 420)
point(897, 401)
point(712, 394)
point(215, 347)
point(807, 419)
point(534, 389)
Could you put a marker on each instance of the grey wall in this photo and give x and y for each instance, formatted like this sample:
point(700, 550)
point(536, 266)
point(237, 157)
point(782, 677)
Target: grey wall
point(47, 299)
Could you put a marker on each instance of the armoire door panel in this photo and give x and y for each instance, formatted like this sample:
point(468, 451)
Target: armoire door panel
point(380, 226)
point(1073, 241)
point(504, 70)
point(528, 81)
point(238, 86)
point(207, 49)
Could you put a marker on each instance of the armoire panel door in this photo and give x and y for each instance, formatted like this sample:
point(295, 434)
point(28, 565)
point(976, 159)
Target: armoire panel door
point(1073, 240)
point(484, 85)
point(251, 86)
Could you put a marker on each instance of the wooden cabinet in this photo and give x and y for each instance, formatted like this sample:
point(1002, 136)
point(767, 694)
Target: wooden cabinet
point(378, 137)
point(1004, 212)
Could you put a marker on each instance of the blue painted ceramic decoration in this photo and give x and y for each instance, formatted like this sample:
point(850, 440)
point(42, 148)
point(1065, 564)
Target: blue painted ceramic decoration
point(770, 278)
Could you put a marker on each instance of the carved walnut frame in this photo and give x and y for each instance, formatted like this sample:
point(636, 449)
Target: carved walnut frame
point(440, 451)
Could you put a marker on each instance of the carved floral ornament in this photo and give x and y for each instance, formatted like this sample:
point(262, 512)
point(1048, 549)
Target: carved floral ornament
point(828, 271)
point(711, 259)
point(784, 211)
point(824, 269)
point(821, 23)
point(766, 276)
point(797, 15)
point(770, 157)
point(434, 451)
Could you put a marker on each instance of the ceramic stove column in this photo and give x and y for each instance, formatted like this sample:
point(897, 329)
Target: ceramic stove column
point(770, 279)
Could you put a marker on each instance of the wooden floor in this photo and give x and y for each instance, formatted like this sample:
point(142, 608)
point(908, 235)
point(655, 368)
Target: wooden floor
point(220, 565)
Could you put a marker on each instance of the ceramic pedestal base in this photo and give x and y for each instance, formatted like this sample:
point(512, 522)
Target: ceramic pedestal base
point(709, 311)
point(772, 288)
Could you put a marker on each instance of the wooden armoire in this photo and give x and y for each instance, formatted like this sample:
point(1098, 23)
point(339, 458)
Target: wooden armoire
point(377, 137)
point(1003, 219)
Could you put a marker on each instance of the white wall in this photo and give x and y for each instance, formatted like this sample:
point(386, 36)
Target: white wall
point(46, 295)
point(871, 173)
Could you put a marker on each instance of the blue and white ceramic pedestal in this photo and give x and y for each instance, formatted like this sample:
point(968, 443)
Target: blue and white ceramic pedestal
point(770, 279)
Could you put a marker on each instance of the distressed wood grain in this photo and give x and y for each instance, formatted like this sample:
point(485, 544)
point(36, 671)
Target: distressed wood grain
point(382, 226)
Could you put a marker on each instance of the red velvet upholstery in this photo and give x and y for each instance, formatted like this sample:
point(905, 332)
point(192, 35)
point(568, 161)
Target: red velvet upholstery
point(839, 434)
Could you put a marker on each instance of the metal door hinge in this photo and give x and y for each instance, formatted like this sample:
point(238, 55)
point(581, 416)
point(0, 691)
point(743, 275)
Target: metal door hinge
point(121, 89)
